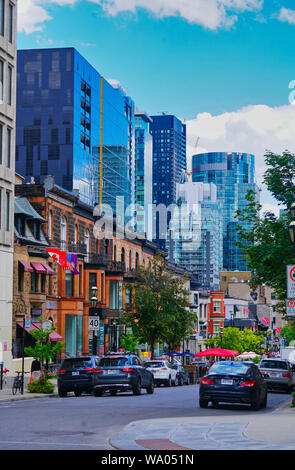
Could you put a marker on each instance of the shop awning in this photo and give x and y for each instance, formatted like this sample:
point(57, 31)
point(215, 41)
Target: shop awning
point(54, 336)
point(39, 268)
point(48, 269)
point(26, 265)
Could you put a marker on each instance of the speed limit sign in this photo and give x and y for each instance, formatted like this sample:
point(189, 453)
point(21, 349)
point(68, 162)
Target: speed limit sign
point(93, 323)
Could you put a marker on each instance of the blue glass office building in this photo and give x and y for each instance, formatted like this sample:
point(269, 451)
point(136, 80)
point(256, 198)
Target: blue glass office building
point(64, 106)
point(233, 174)
point(169, 160)
point(143, 171)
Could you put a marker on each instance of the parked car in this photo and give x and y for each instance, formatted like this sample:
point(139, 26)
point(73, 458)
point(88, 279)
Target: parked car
point(182, 375)
point(163, 372)
point(278, 374)
point(76, 375)
point(233, 382)
point(122, 372)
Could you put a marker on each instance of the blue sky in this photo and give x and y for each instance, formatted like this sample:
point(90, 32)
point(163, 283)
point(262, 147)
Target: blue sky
point(169, 64)
point(223, 66)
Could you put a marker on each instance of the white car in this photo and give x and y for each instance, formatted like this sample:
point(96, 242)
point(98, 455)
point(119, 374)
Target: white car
point(163, 372)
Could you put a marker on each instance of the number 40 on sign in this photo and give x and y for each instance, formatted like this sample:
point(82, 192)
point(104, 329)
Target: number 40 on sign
point(93, 323)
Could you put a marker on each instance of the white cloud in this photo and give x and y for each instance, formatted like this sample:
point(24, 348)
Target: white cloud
point(252, 129)
point(211, 14)
point(287, 15)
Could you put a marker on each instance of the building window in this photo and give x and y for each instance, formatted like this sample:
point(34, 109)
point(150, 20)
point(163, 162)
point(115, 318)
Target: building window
point(8, 150)
point(87, 243)
point(115, 299)
point(76, 235)
point(101, 287)
point(216, 306)
point(1, 80)
point(7, 221)
point(10, 23)
point(50, 225)
point(63, 233)
point(9, 85)
point(43, 283)
point(34, 281)
point(1, 142)
point(92, 283)
point(20, 277)
point(69, 284)
point(2, 17)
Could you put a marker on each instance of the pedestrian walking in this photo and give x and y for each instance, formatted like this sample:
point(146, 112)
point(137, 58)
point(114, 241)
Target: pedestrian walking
point(36, 369)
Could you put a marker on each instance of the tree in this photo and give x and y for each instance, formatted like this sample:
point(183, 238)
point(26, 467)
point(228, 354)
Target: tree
point(157, 311)
point(237, 340)
point(266, 244)
point(288, 333)
point(44, 349)
point(128, 342)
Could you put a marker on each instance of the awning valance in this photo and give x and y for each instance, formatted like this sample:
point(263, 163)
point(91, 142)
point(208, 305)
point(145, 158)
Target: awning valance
point(26, 266)
point(54, 336)
point(39, 268)
point(48, 269)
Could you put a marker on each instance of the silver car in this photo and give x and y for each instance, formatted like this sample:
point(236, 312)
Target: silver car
point(278, 374)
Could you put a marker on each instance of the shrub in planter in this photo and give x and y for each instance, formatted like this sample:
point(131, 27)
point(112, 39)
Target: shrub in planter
point(293, 399)
point(39, 387)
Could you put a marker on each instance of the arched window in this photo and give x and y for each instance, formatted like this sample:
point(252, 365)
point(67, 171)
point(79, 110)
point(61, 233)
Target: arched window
point(136, 261)
point(130, 259)
point(87, 243)
point(123, 255)
point(76, 235)
point(115, 253)
point(63, 233)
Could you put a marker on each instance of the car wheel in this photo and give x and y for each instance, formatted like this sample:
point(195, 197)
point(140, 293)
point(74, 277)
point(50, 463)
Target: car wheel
point(97, 393)
point(255, 404)
point(215, 404)
point(113, 393)
point(264, 403)
point(169, 382)
point(77, 393)
point(203, 403)
point(137, 388)
point(176, 382)
point(62, 393)
point(151, 388)
point(181, 381)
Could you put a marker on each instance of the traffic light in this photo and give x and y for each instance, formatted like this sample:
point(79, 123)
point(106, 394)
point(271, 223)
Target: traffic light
point(187, 360)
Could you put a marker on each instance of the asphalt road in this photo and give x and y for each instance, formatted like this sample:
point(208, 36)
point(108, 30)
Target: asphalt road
point(88, 422)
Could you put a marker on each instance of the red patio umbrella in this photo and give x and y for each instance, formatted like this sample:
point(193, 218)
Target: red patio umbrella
point(218, 352)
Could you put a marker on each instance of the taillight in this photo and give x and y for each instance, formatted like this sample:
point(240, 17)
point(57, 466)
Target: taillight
point(89, 369)
point(205, 381)
point(163, 368)
point(128, 369)
point(97, 371)
point(62, 371)
point(248, 383)
point(287, 375)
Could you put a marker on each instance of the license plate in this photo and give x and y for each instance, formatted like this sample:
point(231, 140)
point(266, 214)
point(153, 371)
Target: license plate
point(226, 382)
point(113, 372)
point(75, 373)
point(273, 374)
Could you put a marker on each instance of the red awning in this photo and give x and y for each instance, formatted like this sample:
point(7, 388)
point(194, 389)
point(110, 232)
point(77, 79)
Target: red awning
point(218, 352)
point(26, 265)
point(48, 268)
point(54, 336)
point(39, 268)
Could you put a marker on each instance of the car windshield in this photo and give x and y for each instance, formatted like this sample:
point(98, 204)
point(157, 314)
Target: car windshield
point(229, 368)
point(154, 364)
point(274, 365)
point(113, 361)
point(79, 363)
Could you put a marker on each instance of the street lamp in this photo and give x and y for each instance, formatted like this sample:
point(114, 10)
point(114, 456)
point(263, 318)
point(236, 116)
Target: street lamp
point(221, 335)
point(94, 302)
point(292, 225)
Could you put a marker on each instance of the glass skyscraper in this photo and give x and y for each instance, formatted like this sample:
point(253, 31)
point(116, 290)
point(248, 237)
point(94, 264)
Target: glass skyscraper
point(69, 119)
point(143, 172)
point(233, 175)
point(196, 232)
point(169, 160)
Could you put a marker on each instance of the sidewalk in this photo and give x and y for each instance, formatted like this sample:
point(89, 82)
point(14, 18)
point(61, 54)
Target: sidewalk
point(6, 393)
point(247, 431)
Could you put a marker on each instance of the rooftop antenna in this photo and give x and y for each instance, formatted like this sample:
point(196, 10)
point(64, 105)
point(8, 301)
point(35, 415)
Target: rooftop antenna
point(189, 170)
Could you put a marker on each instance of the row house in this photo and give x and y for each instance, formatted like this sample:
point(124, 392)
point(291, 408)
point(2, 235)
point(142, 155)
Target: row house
point(106, 264)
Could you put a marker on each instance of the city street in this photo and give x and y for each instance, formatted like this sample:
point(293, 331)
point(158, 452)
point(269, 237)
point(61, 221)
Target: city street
point(89, 423)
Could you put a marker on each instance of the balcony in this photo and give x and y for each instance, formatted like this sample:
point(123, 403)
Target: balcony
point(116, 266)
point(100, 260)
point(79, 248)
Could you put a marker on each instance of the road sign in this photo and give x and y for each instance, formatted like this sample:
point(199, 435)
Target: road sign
point(290, 306)
point(93, 323)
point(28, 321)
point(46, 325)
point(291, 282)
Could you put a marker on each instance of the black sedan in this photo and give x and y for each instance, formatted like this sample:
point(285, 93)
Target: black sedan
point(120, 373)
point(233, 382)
point(76, 375)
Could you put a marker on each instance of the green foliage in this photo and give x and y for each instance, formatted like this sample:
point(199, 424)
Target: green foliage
point(237, 340)
point(158, 308)
point(266, 244)
point(44, 349)
point(288, 333)
point(39, 387)
point(128, 342)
